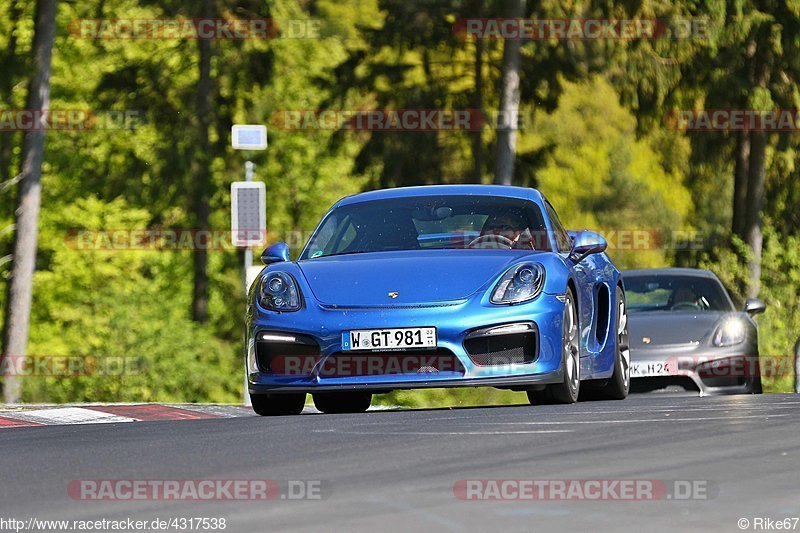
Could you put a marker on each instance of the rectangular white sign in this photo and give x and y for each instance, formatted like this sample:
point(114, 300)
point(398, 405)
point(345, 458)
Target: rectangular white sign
point(248, 213)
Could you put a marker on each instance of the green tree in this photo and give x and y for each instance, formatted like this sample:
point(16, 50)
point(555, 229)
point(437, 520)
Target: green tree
point(16, 326)
point(597, 173)
point(124, 310)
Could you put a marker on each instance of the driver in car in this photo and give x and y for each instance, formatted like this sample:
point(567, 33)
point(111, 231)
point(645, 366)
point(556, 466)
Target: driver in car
point(685, 297)
point(504, 231)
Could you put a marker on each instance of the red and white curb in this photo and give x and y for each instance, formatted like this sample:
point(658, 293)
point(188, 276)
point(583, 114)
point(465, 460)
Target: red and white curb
point(114, 413)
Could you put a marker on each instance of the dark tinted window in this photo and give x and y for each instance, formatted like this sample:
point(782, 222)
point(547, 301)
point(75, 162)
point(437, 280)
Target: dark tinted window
point(675, 293)
point(563, 241)
point(435, 222)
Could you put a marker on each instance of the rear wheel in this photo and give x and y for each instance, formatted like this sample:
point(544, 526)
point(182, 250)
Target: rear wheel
point(567, 391)
point(342, 402)
point(619, 384)
point(278, 404)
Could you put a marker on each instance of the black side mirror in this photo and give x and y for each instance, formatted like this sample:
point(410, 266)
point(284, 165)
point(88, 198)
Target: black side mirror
point(754, 306)
point(277, 253)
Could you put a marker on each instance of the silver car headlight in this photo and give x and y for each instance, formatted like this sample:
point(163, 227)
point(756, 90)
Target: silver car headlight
point(732, 331)
point(519, 284)
point(278, 291)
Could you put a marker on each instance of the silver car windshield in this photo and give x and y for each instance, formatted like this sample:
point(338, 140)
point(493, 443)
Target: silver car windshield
point(675, 293)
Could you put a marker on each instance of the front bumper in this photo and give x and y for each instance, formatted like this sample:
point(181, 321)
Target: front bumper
point(455, 323)
point(710, 370)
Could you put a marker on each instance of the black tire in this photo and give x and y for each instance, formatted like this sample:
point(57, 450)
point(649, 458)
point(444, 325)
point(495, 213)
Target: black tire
point(342, 402)
point(568, 390)
point(754, 387)
point(278, 404)
point(618, 386)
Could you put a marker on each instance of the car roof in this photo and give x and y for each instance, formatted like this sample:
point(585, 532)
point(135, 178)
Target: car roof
point(692, 272)
point(506, 191)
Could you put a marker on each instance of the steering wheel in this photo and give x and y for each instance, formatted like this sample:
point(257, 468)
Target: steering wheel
point(685, 305)
point(493, 239)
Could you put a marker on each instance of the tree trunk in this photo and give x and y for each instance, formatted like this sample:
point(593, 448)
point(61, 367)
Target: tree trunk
point(509, 103)
point(756, 178)
point(477, 106)
point(755, 204)
point(11, 60)
point(20, 287)
point(201, 171)
point(476, 10)
point(741, 171)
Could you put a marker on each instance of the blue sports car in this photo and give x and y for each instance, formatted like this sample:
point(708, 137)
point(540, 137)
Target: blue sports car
point(438, 286)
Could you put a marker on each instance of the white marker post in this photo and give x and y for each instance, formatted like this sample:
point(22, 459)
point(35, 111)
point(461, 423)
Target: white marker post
point(248, 206)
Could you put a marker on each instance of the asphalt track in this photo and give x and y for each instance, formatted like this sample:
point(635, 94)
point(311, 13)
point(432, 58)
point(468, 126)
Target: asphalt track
point(396, 470)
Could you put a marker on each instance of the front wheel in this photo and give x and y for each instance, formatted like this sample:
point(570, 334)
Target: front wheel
point(567, 391)
point(754, 386)
point(278, 404)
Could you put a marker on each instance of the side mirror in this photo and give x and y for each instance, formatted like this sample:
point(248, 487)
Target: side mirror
point(586, 243)
point(754, 306)
point(277, 253)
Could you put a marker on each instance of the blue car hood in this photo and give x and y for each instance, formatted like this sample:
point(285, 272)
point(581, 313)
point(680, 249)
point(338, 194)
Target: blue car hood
point(417, 276)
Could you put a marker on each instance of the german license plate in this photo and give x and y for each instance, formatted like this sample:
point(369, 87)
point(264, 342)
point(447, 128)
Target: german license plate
point(647, 369)
point(389, 339)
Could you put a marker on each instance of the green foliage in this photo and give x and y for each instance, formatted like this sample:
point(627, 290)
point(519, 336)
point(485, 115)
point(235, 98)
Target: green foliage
point(307, 172)
point(126, 309)
point(136, 304)
point(597, 145)
point(597, 173)
point(780, 277)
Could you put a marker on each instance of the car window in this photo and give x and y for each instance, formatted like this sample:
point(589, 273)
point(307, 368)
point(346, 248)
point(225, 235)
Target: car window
point(423, 223)
point(562, 239)
point(675, 293)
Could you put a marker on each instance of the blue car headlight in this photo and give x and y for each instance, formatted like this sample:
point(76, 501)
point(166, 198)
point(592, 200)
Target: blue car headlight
point(519, 284)
point(278, 292)
point(730, 333)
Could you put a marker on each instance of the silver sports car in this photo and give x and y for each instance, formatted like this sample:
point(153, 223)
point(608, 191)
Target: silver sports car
point(685, 330)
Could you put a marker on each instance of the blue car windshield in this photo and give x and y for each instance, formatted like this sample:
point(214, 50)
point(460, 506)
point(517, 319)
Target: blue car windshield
point(430, 223)
point(675, 293)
